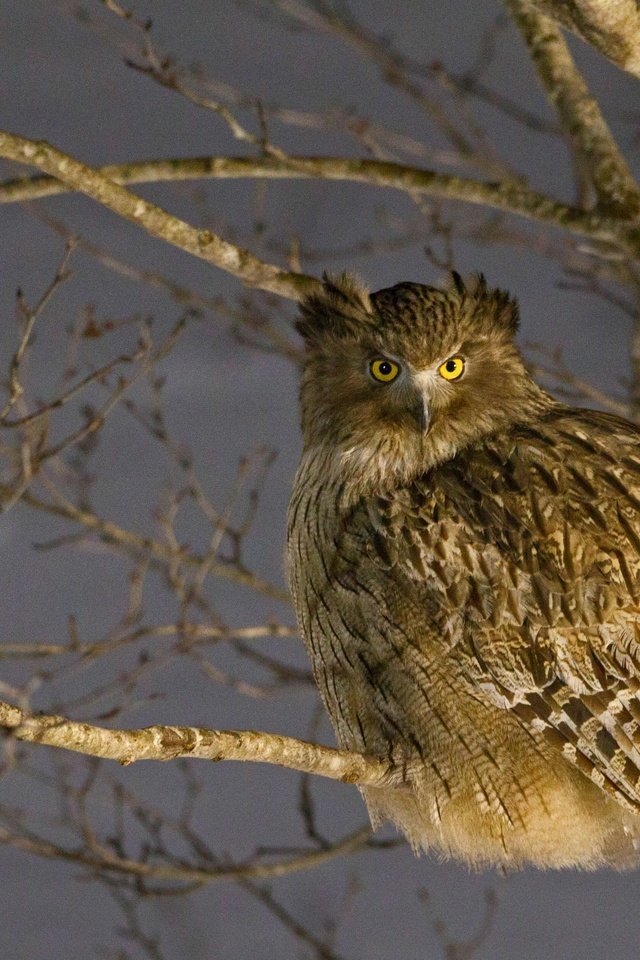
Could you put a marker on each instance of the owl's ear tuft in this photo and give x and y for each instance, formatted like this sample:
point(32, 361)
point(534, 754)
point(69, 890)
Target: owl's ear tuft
point(495, 309)
point(475, 286)
point(458, 282)
point(504, 309)
point(339, 308)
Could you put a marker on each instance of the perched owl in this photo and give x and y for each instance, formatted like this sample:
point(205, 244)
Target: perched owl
point(464, 554)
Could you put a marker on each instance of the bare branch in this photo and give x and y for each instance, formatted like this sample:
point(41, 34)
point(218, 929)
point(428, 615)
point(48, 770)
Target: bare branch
point(147, 546)
point(394, 68)
point(102, 859)
point(616, 189)
point(507, 196)
point(572, 388)
point(464, 949)
point(156, 221)
point(194, 634)
point(168, 743)
point(321, 948)
point(29, 318)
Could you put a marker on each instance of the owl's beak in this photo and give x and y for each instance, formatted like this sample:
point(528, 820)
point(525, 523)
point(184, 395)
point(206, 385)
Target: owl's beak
point(421, 413)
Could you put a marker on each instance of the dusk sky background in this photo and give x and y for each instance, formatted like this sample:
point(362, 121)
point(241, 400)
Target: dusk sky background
point(63, 79)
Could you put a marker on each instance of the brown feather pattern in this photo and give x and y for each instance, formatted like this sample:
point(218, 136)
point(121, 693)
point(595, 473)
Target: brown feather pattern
point(469, 595)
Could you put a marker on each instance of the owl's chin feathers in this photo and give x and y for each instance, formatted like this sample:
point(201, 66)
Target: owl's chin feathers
point(383, 458)
point(381, 465)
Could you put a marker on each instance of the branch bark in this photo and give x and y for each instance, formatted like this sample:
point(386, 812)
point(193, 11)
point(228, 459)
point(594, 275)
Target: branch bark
point(169, 742)
point(509, 197)
point(611, 26)
point(617, 192)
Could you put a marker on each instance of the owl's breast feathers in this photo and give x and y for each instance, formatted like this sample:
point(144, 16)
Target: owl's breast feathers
point(481, 626)
point(528, 549)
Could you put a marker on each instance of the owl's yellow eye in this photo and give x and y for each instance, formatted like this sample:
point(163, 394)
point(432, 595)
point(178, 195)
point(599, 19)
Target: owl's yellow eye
point(384, 371)
point(452, 369)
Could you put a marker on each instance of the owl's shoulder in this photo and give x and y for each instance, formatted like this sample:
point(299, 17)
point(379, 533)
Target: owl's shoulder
point(570, 440)
point(555, 497)
point(581, 461)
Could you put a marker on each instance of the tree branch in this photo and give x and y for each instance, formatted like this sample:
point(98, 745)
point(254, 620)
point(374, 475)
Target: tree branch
point(140, 545)
point(169, 742)
point(156, 221)
point(104, 859)
point(617, 192)
point(510, 197)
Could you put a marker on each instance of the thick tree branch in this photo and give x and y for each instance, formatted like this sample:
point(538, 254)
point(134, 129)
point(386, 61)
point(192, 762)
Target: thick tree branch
point(156, 221)
point(509, 197)
point(169, 742)
point(617, 192)
point(611, 26)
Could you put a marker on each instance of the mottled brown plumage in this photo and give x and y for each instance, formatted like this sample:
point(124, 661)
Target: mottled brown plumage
point(465, 559)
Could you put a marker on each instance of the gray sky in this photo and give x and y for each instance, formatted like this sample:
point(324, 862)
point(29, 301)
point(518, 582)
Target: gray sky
point(66, 82)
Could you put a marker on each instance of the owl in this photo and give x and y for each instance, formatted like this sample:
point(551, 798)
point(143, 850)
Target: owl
point(464, 557)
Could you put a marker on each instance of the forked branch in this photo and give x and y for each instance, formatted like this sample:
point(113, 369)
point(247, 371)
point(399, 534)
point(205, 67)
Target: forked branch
point(593, 143)
point(611, 26)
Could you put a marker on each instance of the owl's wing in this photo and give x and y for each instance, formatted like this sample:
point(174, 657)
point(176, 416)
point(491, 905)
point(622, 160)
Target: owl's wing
point(532, 543)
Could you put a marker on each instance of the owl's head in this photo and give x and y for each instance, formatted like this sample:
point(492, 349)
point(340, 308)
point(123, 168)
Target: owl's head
point(400, 380)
